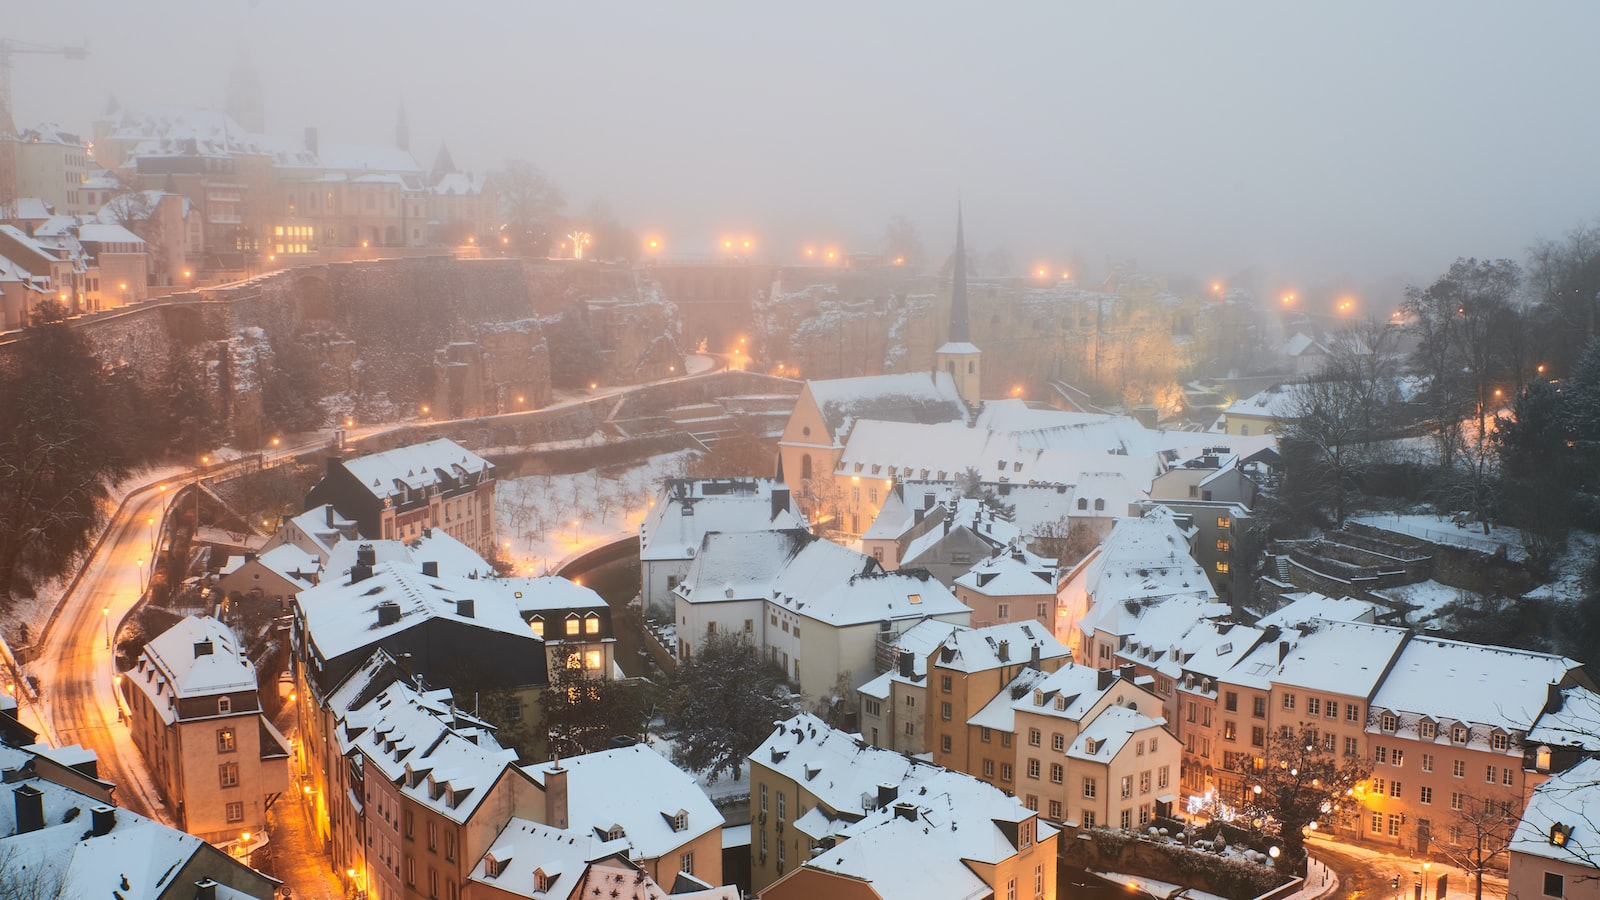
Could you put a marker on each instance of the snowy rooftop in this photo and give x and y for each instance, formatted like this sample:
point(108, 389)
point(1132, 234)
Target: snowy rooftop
point(1212, 647)
point(914, 397)
point(840, 770)
point(197, 657)
point(416, 466)
point(108, 233)
point(1011, 573)
point(1347, 658)
point(1173, 631)
point(635, 789)
point(324, 527)
point(686, 509)
point(971, 514)
point(1142, 558)
point(1494, 686)
point(1303, 344)
point(1569, 798)
point(1576, 723)
point(1107, 733)
point(979, 649)
point(1304, 607)
point(999, 714)
point(563, 857)
point(1274, 402)
point(891, 449)
point(433, 545)
point(1067, 693)
point(875, 597)
point(761, 564)
point(919, 640)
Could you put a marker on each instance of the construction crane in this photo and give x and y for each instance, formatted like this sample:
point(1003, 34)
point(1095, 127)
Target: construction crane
point(8, 126)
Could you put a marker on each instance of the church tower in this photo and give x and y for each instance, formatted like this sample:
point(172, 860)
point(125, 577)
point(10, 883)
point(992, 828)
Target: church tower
point(959, 357)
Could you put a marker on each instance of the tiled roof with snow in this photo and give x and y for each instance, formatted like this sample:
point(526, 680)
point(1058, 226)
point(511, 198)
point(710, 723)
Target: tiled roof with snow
point(434, 545)
point(1498, 687)
point(1211, 648)
point(325, 527)
point(1010, 573)
point(1569, 798)
point(197, 657)
point(1142, 559)
point(570, 861)
point(341, 617)
point(1274, 402)
point(292, 563)
point(1107, 733)
point(999, 713)
point(640, 791)
point(686, 509)
point(417, 466)
point(978, 649)
point(1347, 658)
point(914, 397)
point(875, 597)
point(840, 770)
point(1166, 630)
point(970, 514)
point(919, 640)
point(1077, 686)
point(753, 564)
point(1304, 607)
point(1575, 724)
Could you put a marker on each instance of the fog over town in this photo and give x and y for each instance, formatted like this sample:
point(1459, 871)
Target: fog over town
point(1351, 141)
point(740, 451)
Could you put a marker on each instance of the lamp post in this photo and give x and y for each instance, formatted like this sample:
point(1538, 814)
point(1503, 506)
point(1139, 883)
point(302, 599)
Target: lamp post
point(117, 680)
point(1425, 867)
point(105, 616)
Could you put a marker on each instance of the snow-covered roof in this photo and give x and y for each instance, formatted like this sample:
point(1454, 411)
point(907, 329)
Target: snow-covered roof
point(637, 789)
point(341, 617)
point(1303, 344)
point(416, 466)
point(324, 527)
point(949, 825)
point(891, 449)
point(1141, 559)
point(434, 545)
point(1574, 723)
point(1078, 687)
point(919, 640)
point(1209, 649)
point(686, 509)
point(979, 649)
point(765, 564)
point(108, 233)
point(572, 864)
point(1274, 402)
point(197, 657)
point(1013, 572)
point(1303, 607)
point(1498, 687)
point(1107, 733)
point(840, 770)
point(1347, 658)
point(999, 713)
point(1569, 799)
point(874, 597)
point(915, 397)
point(31, 208)
point(970, 514)
point(1164, 632)
point(377, 158)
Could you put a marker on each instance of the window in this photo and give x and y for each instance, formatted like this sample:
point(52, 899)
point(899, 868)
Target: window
point(1398, 757)
point(1506, 776)
point(686, 863)
point(1191, 710)
point(944, 684)
point(235, 812)
point(1428, 730)
point(1457, 800)
point(1222, 566)
point(572, 627)
point(1352, 712)
point(1394, 825)
point(224, 705)
point(1458, 769)
point(1258, 707)
point(944, 711)
point(1333, 709)
point(1555, 884)
point(1377, 823)
point(680, 822)
point(1033, 768)
point(1288, 701)
point(911, 699)
point(591, 624)
point(1222, 545)
point(1091, 787)
point(1152, 745)
point(1087, 818)
point(1127, 786)
point(1058, 743)
point(985, 735)
point(1224, 522)
point(1427, 762)
point(1313, 706)
point(1033, 737)
point(763, 798)
point(1139, 749)
point(537, 623)
point(1389, 723)
point(1127, 819)
point(411, 870)
point(944, 743)
point(1003, 611)
point(1031, 802)
point(1005, 738)
point(1489, 775)
point(783, 806)
point(450, 845)
point(225, 743)
point(1229, 731)
point(1258, 736)
point(1379, 787)
point(1352, 747)
point(433, 837)
point(1394, 788)
point(1459, 734)
point(1380, 754)
point(228, 775)
point(1500, 741)
point(988, 768)
point(1057, 772)
point(1230, 701)
point(1427, 794)
point(1005, 771)
point(592, 660)
point(409, 825)
point(1144, 782)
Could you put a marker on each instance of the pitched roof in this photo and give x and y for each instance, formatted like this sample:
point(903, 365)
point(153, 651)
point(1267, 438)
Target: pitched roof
point(686, 509)
point(912, 397)
point(1012, 572)
point(840, 770)
point(1499, 687)
point(1569, 798)
point(197, 657)
point(1348, 658)
point(978, 649)
point(874, 596)
point(416, 466)
point(637, 789)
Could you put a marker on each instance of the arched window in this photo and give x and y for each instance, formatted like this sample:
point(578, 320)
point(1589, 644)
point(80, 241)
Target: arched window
point(805, 467)
point(1099, 504)
point(224, 705)
point(1083, 503)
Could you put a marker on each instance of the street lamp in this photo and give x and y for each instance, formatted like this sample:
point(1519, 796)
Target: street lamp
point(141, 578)
point(151, 521)
point(1425, 867)
point(117, 679)
point(105, 616)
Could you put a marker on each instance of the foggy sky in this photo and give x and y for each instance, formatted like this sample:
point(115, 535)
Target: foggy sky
point(1356, 140)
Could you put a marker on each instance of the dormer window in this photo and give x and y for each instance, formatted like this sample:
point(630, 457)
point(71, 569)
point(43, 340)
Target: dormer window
point(224, 705)
point(1460, 734)
point(1038, 697)
point(1389, 722)
point(1560, 834)
point(591, 624)
point(542, 879)
point(680, 822)
point(537, 624)
point(614, 833)
point(573, 626)
point(1500, 741)
point(1083, 503)
point(492, 867)
point(1427, 730)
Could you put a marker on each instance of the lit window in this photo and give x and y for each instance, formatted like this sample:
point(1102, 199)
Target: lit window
point(592, 660)
point(572, 626)
point(537, 625)
point(591, 624)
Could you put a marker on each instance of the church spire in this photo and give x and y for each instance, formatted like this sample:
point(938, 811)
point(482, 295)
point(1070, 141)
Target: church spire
point(959, 333)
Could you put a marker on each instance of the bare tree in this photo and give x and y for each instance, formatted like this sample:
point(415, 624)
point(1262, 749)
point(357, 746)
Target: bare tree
point(22, 878)
point(1293, 784)
point(1480, 832)
point(532, 205)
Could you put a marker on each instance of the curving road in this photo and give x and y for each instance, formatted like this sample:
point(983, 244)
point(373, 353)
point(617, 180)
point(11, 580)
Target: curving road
point(77, 703)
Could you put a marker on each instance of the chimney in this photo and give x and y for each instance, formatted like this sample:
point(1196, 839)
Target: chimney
point(927, 500)
point(311, 138)
point(329, 510)
point(1553, 700)
point(780, 500)
point(203, 648)
point(30, 808)
point(366, 555)
point(1003, 650)
point(359, 573)
point(430, 568)
point(335, 463)
point(388, 612)
point(907, 664)
point(1033, 657)
point(1283, 650)
point(466, 608)
point(887, 794)
point(102, 819)
point(917, 514)
point(205, 889)
point(1125, 672)
point(555, 795)
point(1106, 676)
point(907, 811)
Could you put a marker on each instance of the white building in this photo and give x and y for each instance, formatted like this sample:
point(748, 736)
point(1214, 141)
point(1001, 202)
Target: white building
point(687, 509)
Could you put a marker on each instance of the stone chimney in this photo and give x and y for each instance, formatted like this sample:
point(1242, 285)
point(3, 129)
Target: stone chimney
point(1003, 651)
point(430, 568)
point(30, 808)
point(388, 612)
point(466, 608)
point(1033, 657)
point(1103, 681)
point(366, 555)
point(555, 795)
point(907, 663)
point(205, 889)
point(887, 794)
point(780, 500)
point(102, 819)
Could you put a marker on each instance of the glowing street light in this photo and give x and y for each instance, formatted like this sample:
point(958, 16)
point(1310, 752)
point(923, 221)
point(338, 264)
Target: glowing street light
point(1216, 287)
point(811, 252)
point(833, 255)
point(105, 616)
point(653, 245)
point(1042, 272)
point(1288, 299)
point(1346, 304)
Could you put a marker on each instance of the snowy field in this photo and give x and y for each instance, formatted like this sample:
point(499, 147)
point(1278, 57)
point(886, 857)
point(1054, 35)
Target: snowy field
point(544, 519)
